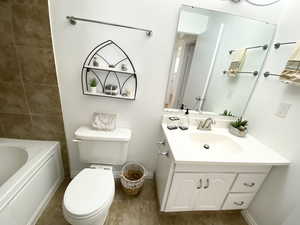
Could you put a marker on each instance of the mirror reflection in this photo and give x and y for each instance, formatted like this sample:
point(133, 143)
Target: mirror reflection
point(216, 61)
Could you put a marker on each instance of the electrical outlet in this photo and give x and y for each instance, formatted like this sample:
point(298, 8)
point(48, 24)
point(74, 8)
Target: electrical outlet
point(283, 110)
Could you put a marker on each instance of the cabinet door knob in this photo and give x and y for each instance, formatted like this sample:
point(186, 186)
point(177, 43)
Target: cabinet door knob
point(249, 184)
point(200, 184)
point(207, 184)
point(239, 203)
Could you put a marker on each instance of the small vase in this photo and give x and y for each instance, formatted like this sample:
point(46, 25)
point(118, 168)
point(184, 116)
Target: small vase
point(237, 132)
point(93, 90)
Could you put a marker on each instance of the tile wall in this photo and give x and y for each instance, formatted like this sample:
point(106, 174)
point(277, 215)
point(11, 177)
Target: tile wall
point(29, 96)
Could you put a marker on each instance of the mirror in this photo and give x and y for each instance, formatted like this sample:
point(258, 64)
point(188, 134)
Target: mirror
point(216, 62)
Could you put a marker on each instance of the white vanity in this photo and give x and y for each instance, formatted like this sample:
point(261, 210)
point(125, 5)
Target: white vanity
point(212, 74)
point(226, 176)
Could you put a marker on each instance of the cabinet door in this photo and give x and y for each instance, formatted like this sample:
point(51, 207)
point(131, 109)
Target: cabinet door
point(213, 191)
point(183, 192)
point(191, 192)
point(163, 173)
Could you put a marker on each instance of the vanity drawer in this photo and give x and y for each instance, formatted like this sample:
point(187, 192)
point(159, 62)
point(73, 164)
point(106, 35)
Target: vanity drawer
point(238, 201)
point(248, 182)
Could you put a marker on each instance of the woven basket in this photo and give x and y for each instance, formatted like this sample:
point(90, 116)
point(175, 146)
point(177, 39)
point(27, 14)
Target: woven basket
point(132, 178)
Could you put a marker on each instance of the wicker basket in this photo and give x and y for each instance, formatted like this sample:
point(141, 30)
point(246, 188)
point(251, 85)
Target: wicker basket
point(132, 178)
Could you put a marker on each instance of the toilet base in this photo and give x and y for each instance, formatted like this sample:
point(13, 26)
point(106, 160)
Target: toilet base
point(98, 219)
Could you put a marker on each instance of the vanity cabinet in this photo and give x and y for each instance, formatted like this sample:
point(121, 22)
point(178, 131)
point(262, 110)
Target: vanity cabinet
point(198, 187)
point(198, 191)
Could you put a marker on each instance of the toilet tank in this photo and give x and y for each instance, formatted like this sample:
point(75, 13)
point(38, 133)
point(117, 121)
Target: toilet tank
point(103, 147)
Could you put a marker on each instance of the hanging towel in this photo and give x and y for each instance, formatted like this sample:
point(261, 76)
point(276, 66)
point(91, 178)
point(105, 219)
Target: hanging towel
point(237, 62)
point(291, 72)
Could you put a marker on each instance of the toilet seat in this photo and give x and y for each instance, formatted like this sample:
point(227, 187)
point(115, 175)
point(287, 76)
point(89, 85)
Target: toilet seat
point(89, 194)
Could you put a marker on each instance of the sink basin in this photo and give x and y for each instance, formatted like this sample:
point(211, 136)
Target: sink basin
point(216, 143)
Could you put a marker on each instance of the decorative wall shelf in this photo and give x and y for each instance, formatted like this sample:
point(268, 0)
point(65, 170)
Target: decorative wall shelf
point(112, 70)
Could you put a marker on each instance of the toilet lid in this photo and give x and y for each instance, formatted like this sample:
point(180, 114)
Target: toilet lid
point(90, 191)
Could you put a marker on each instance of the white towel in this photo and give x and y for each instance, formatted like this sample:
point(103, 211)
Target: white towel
point(291, 72)
point(296, 53)
point(237, 62)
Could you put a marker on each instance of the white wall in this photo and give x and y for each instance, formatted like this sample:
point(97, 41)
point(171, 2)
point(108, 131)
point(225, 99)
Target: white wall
point(151, 58)
point(192, 23)
point(278, 202)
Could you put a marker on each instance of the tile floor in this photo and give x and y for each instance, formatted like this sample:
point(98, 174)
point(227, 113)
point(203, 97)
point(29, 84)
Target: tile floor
point(140, 210)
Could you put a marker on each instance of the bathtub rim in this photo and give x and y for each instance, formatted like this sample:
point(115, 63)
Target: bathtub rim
point(39, 153)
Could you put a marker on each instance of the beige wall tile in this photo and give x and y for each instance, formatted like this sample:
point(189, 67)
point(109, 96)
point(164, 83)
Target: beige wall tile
point(43, 99)
point(6, 32)
point(44, 127)
point(15, 126)
point(12, 98)
point(9, 68)
point(31, 25)
point(37, 65)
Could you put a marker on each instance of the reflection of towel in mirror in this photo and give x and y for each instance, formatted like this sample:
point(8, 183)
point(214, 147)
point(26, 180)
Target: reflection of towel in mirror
point(237, 62)
point(291, 72)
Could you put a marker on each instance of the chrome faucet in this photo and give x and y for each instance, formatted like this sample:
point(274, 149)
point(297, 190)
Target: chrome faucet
point(206, 124)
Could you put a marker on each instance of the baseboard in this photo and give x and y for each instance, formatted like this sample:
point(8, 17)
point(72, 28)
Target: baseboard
point(248, 218)
point(45, 201)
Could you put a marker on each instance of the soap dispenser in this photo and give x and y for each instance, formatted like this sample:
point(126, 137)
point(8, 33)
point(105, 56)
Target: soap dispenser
point(185, 121)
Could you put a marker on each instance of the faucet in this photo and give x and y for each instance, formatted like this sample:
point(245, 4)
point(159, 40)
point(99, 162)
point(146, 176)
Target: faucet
point(206, 124)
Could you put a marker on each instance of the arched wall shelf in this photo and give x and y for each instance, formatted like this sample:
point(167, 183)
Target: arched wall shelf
point(111, 69)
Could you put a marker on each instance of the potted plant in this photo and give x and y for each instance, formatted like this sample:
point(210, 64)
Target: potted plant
point(227, 113)
point(239, 127)
point(93, 86)
point(111, 89)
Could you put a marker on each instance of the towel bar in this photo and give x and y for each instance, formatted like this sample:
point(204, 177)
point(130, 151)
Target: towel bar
point(278, 44)
point(264, 47)
point(73, 19)
point(267, 74)
point(254, 73)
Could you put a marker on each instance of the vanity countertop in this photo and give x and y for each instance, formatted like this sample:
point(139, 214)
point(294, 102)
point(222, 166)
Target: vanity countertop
point(239, 151)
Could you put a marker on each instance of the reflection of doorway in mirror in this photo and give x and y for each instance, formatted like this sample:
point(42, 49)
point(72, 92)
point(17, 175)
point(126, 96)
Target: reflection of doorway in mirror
point(180, 69)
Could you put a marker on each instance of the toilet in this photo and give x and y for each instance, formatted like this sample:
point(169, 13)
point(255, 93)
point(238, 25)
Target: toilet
point(89, 195)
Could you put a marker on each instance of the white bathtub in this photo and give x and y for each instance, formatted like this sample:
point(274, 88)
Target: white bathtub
point(30, 173)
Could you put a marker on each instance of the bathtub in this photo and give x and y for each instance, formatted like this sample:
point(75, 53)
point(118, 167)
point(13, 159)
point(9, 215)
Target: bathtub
point(30, 173)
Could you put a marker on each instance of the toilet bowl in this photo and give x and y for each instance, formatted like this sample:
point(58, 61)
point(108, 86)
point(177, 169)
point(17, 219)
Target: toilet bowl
point(89, 196)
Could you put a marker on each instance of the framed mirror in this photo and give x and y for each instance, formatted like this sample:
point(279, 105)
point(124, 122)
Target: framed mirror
point(216, 62)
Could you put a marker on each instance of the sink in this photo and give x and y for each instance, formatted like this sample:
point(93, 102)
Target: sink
point(216, 143)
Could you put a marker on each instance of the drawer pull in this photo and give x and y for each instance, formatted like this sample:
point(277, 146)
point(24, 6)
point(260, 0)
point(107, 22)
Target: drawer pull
point(249, 184)
point(200, 184)
point(207, 184)
point(239, 203)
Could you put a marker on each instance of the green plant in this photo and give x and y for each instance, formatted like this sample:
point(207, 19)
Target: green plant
point(240, 124)
point(227, 113)
point(93, 83)
point(111, 87)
